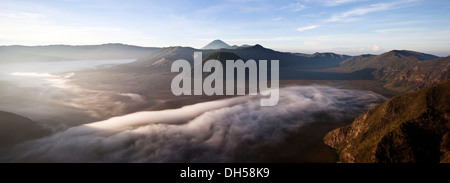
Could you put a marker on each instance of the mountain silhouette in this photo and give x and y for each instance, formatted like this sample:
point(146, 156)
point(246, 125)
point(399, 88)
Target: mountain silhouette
point(216, 44)
point(15, 129)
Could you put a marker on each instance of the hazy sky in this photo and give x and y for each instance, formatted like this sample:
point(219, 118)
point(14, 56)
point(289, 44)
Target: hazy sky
point(342, 26)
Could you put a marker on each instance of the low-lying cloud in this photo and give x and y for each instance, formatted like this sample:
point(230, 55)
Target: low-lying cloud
point(205, 132)
point(45, 93)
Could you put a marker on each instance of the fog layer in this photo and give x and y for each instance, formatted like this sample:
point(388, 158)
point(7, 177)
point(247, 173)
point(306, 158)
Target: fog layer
point(41, 92)
point(204, 132)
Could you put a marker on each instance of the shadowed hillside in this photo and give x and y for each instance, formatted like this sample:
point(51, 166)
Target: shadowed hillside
point(15, 129)
point(412, 127)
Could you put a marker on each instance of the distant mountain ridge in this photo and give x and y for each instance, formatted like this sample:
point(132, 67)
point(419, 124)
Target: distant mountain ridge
point(403, 70)
point(398, 70)
point(327, 56)
point(394, 57)
point(68, 52)
point(219, 44)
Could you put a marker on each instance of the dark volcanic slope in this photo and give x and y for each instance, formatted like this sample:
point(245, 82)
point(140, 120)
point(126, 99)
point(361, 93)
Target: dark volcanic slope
point(403, 70)
point(15, 129)
point(258, 52)
point(221, 56)
point(164, 58)
point(289, 60)
point(412, 127)
point(66, 52)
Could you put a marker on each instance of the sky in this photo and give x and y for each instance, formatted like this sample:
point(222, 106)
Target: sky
point(305, 26)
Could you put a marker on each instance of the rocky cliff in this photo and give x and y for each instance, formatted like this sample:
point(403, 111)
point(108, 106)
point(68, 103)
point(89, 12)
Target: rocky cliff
point(412, 127)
